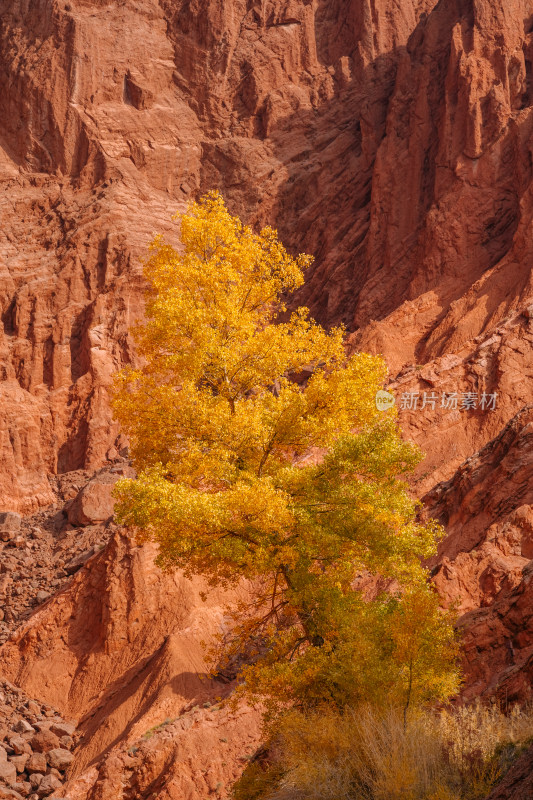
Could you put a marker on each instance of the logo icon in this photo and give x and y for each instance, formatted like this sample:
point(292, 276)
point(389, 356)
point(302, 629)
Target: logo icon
point(384, 400)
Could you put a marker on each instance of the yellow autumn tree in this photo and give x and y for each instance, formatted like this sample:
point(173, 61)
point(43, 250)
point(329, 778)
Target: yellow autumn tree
point(261, 455)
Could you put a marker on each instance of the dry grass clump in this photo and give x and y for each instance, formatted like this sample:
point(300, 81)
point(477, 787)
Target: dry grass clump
point(368, 755)
point(483, 730)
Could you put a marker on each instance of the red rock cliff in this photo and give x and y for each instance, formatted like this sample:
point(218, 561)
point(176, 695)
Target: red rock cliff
point(391, 141)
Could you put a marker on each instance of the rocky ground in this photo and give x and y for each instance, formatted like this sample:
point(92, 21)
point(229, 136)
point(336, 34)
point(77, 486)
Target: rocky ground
point(96, 637)
point(485, 563)
point(35, 746)
point(38, 557)
point(39, 553)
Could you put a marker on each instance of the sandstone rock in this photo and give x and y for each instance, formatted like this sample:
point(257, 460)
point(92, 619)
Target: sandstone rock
point(19, 745)
point(67, 742)
point(23, 726)
point(517, 784)
point(44, 741)
point(63, 728)
point(8, 772)
point(20, 762)
point(41, 596)
point(484, 562)
point(9, 522)
point(10, 794)
point(35, 780)
point(59, 758)
point(48, 785)
point(78, 561)
point(37, 763)
point(421, 228)
point(96, 597)
point(94, 503)
point(9, 525)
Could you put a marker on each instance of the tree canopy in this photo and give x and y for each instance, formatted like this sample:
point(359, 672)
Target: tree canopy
point(261, 455)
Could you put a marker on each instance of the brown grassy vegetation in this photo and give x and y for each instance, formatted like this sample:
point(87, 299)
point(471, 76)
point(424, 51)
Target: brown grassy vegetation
point(454, 754)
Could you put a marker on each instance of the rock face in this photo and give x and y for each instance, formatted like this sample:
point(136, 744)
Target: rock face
point(518, 783)
point(200, 754)
point(129, 665)
point(37, 559)
point(368, 133)
point(497, 363)
point(485, 564)
point(393, 141)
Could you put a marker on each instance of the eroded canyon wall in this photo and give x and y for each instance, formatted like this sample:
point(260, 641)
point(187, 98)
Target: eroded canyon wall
point(391, 142)
point(394, 143)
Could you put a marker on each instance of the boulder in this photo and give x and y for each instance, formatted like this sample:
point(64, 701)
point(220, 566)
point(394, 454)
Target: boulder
point(20, 762)
point(60, 758)
point(78, 561)
point(10, 521)
point(48, 785)
point(43, 741)
point(63, 728)
point(8, 772)
point(94, 503)
point(9, 794)
point(67, 742)
point(19, 745)
point(23, 726)
point(9, 525)
point(37, 763)
point(35, 780)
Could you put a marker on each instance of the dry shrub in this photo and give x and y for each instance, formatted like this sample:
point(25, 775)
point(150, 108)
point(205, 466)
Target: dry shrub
point(481, 742)
point(358, 755)
point(367, 755)
point(483, 730)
